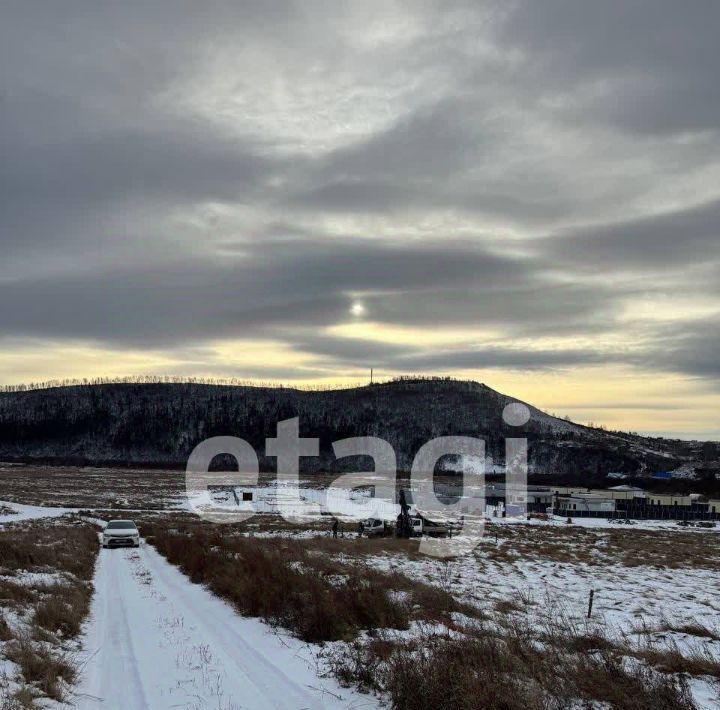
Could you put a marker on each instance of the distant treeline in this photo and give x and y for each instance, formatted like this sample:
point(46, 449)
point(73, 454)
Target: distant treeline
point(217, 381)
point(158, 421)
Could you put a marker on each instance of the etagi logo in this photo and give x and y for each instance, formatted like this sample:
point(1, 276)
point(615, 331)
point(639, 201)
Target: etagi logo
point(466, 514)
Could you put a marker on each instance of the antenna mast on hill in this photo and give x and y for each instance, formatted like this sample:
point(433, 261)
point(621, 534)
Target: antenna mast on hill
point(371, 375)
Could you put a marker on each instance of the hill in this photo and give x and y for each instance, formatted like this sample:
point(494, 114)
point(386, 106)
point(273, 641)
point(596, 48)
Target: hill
point(159, 424)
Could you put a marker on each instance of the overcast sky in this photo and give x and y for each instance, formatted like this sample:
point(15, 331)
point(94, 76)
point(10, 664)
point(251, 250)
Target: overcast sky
point(524, 193)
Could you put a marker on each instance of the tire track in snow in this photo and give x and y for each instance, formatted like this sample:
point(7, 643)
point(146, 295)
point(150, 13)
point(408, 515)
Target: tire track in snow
point(112, 670)
point(154, 640)
point(262, 672)
point(121, 638)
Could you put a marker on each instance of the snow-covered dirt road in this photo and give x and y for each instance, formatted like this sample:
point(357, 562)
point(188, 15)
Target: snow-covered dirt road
point(154, 640)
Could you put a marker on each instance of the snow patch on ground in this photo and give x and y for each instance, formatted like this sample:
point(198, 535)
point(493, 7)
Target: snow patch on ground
point(29, 512)
point(34, 579)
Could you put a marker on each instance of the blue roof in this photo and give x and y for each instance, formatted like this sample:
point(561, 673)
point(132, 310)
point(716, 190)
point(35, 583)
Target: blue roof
point(665, 475)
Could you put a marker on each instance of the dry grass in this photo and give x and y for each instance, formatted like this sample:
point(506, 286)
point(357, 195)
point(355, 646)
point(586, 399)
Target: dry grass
point(360, 547)
point(693, 629)
point(698, 662)
point(313, 590)
point(285, 586)
point(321, 590)
point(63, 610)
point(509, 670)
point(49, 546)
point(507, 606)
point(47, 613)
point(565, 544)
point(5, 631)
point(570, 544)
point(74, 487)
point(41, 667)
point(14, 595)
point(22, 699)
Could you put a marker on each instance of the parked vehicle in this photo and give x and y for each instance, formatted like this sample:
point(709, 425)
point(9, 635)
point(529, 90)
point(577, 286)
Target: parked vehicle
point(121, 533)
point(423, 526)
point(419, 526)
point(374, 527)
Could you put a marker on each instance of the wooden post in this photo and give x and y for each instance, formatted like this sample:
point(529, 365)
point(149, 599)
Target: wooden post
point(590, 603)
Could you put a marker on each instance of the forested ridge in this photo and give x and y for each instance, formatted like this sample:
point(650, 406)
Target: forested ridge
point(159, 424)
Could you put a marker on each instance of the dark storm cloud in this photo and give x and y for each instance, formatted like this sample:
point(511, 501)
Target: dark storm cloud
point(653, 61)
point(429, 143)
point(85, 132)
point(174, 173)
point(85, 177)
point(381, 196)
point(534, 305)
point(433, 158)
point(504, 358)
point(174, 158)
point(356, 352)
point(276, 283)
point(458, 152)
point(353, 352)
point(659, 242)
point(691, 347)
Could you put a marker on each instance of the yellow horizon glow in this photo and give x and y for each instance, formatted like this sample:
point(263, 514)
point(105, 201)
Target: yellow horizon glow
point(618, 397)
point(409, 335)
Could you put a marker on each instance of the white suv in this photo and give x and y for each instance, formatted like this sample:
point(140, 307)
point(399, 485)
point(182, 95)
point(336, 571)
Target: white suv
point(121, 533)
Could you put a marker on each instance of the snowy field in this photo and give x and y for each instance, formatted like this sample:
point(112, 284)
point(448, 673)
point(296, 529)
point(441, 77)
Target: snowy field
point(625, 598)
point(154, 640)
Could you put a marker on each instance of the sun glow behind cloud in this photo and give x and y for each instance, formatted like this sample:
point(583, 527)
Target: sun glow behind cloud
point(268, 193)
